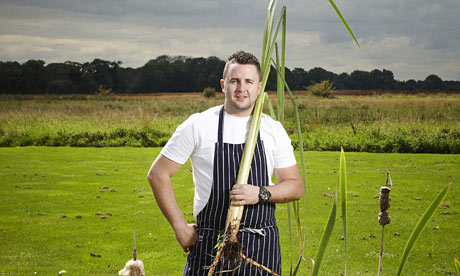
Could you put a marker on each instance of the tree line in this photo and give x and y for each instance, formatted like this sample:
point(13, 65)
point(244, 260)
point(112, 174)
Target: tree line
point(182, 74)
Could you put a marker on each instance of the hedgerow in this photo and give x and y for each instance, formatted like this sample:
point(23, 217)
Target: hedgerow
point(392, 140)
point(144, 137)
point(397, 139)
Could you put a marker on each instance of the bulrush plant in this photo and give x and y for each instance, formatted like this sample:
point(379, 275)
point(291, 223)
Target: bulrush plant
point(229, 248)
point(384, 217)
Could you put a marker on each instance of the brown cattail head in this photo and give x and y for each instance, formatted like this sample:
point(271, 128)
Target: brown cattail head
point(384, 200)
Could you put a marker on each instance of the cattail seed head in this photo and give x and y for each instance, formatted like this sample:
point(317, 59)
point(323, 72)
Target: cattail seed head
point(384, 200)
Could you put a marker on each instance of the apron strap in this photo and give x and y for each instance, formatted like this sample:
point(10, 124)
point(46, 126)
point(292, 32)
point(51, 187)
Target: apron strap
point(220, 130)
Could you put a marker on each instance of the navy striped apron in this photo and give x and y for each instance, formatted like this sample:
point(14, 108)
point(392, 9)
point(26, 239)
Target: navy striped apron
point(258, 234)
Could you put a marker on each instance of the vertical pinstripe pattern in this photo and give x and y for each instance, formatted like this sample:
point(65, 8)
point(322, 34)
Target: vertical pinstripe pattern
point(211, 220)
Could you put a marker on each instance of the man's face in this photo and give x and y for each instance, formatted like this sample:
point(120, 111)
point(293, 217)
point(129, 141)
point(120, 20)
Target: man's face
point(241, 87)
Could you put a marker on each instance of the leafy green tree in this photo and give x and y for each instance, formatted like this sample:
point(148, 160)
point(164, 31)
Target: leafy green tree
point(410, 84)
point(10, 77)
point(360, 80)
point(63, 86)
point(33, 77)
point(433, 82)
point(342, 81)
point(214, 81)
point(389, 81)
point(375, 79)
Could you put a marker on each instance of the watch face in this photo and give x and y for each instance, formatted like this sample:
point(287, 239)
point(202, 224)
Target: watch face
point(264, 194)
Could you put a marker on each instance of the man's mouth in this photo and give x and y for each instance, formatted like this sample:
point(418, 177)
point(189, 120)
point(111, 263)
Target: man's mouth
point(241, 96)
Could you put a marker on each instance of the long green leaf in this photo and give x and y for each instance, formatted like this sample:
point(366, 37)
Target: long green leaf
point(343, 199)
point(325, 239)
point(296, 203)
point(248, 151)
point(344, 21)
point(297, 266)
point(457, 265)
point(290, 234)
point(269, 39)
point(300, 140)
point(270, 106)
point(265, 64)
point(267, 29)
point(281, 60)
point(420, 226)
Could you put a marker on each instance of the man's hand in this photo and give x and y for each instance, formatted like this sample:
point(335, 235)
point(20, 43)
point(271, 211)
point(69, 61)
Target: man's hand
point(187, 236)
point(244, 194)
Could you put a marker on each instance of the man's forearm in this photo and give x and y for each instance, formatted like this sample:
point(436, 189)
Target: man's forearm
point(285, 191)
point(159, 177)
point(166, 200)
point(289, 187)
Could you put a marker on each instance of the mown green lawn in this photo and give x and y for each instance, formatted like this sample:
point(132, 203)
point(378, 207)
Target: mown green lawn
point(43, 189)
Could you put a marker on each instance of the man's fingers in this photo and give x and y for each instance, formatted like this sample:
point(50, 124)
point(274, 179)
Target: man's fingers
point(238, 202)
point(239, 189)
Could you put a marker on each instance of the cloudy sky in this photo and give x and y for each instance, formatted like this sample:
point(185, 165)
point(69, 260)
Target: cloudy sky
point(412, 38)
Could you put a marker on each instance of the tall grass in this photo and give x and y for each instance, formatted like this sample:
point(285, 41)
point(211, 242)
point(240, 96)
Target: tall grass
point(386, 123)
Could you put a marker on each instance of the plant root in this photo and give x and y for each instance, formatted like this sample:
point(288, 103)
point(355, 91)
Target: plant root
point(256, 264)
point(216, 258)
point(232, 252)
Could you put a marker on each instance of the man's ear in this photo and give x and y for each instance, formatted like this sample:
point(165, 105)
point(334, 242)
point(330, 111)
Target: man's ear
point(260, 87)
point(222, 85)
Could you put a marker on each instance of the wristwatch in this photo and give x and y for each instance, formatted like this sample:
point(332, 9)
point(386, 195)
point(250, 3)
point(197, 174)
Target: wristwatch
point(264, 195)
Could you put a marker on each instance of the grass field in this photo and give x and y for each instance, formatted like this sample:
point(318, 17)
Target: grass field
point(43, 189)
point(381, 123)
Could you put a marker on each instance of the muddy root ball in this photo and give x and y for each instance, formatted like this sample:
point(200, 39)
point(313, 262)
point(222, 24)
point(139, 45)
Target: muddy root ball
point(232, 252)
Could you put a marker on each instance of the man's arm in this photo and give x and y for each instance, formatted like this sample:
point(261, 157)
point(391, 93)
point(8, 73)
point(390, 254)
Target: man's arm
point(289, 188)
point(159, 177)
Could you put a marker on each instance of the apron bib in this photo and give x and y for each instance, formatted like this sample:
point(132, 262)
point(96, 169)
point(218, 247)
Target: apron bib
point(258, 236)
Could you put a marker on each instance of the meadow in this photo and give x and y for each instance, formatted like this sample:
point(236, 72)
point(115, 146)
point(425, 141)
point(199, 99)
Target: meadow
point(420, 123)
point(74, 209)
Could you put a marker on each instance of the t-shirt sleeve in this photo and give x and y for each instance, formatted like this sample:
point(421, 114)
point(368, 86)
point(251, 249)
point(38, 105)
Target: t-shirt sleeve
point(182, 143)
point(284, 156)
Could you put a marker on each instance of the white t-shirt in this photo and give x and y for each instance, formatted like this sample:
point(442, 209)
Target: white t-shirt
point(195, 138)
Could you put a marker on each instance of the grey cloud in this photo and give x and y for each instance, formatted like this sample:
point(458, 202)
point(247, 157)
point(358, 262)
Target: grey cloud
point(408, 37)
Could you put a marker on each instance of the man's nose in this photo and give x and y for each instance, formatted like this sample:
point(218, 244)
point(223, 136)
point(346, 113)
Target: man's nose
point(241, 86)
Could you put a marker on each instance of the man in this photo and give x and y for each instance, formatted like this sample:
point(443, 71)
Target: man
point(214, 142)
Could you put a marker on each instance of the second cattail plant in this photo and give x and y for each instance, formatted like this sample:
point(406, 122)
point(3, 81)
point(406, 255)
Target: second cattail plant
point(384, 217)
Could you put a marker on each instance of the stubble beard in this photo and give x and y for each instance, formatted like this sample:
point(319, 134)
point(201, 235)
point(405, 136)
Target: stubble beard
point(237, 108)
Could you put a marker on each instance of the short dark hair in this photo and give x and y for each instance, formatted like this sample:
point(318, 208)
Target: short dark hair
point(242, 57)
